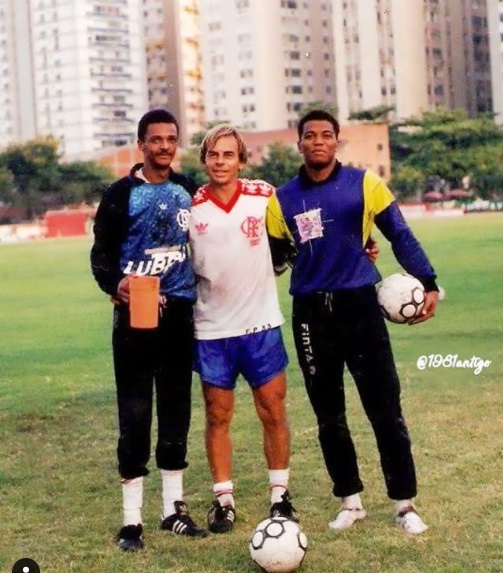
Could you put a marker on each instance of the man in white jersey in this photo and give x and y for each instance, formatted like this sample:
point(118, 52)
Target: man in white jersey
point(237, 319)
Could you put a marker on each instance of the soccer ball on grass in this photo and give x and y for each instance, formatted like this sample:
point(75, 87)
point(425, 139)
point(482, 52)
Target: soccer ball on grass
point(278, 545)
point(400, 297)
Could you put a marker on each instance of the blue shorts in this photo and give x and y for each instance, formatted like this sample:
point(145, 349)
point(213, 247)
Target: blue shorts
point(259, 357)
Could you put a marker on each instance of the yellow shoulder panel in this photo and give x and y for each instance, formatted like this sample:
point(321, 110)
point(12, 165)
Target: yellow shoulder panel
point(376, 198)
point(275, 223)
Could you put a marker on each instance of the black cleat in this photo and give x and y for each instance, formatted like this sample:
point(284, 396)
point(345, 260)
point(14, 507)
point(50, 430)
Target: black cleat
point(130, 537)
point(180, 523)
point(221, 518)
point(284, 508)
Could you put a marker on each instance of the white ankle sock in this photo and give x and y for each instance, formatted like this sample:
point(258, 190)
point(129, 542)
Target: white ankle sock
point(132, 500)
point(278, 483)
point(224, 492)
point(402, 504)
point(172, 490)
point(352, 501)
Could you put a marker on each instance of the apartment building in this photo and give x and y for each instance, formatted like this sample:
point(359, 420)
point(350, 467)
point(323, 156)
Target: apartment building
point(86, 70)
point(78, 71)
point(495, 22)
point(472, 54)
point(17, 113)
point(413, 56)
point(263, 61)
point(380, 56)
point(173, 56)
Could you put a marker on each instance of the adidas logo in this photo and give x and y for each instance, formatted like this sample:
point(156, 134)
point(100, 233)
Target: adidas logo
point(179, 527)
point(201, 228)
point(163, 206)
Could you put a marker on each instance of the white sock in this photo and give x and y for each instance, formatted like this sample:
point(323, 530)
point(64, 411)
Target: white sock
point(278, 484)
point(132, 500)
point(172, 490)
point(402, 504)
point(352, 501)
point(224, 492)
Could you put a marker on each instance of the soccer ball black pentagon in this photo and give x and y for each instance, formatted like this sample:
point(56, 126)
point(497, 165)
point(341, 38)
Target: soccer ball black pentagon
point(278, 545)
point(400, 297)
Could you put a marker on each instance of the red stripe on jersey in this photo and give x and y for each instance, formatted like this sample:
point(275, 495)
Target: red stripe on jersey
point(201, 196)
point(256, 187)
point(247, 187)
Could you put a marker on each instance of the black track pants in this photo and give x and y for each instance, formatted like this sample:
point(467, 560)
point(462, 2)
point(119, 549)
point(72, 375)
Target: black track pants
point(346, 327)
point(144, 359)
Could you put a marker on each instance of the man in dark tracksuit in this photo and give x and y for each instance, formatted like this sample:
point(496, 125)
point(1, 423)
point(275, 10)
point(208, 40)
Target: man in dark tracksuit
point(328, 212)
point(141, 228)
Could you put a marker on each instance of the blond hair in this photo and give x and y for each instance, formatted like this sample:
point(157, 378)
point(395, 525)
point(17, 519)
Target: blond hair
point(215, 133)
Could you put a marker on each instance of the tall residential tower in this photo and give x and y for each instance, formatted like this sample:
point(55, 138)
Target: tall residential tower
point(77, 71)
point(413, 55)
point(172, 42)
point(263, 61)
point(495, 20)
point(380, 56)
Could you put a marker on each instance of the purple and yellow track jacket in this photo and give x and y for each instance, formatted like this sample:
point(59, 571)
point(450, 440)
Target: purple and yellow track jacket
point(329, 223)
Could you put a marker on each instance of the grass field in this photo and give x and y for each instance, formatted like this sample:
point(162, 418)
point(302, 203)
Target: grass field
point(59, 493)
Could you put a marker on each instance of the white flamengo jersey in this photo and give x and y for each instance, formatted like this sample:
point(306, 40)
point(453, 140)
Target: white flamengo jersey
point(236, 287)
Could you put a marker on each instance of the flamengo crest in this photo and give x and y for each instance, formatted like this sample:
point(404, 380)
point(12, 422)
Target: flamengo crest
point(253, 228)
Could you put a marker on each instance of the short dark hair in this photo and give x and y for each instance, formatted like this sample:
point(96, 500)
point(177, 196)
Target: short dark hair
point(317, 115)
point(155, 116)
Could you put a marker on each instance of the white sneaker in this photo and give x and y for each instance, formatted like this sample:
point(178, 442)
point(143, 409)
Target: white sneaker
point(347, 517)
point(410, 522)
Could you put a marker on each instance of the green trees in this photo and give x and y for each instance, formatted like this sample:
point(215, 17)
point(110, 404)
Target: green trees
point(32, 177)
point(33, 168)
point(83, 181)
point(438, 150)
point(279, 166)
point(447, 146)
point(191, 166)
point(372, 115)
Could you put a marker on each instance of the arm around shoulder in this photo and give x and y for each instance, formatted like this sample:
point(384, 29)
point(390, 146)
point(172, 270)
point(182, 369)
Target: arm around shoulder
point(281, 243)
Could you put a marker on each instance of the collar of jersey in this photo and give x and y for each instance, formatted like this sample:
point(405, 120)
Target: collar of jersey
point(227, 207)
point(307, 182)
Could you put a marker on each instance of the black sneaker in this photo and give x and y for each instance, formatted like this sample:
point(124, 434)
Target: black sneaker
point(221, 518)
point(284, 508)
point(130, 537)
point(180, 523)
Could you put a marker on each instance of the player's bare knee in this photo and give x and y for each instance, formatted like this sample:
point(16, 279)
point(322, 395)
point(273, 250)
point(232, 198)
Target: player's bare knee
point(218, 416)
